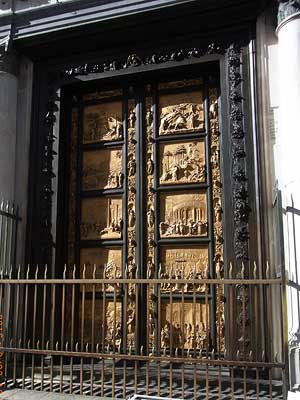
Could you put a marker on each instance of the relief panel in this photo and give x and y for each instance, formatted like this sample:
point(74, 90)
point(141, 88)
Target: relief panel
point(101, 218)
point(103, 122)
point(181, 113)
point(104, 263)
point(102, 169)
point(183, 215)
point(183, 263)
point(188, 323)
point(107, 334)
point(182, 163)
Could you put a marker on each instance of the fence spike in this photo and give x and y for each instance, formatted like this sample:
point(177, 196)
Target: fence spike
point(36, 272)
point(45, 272)
point(119, 348)
point(276, 357)
point(1, 272)
point(225, 353)
point(27, 273)
point(83, 271)
point(67, 346)
point(56, 346)
point(263, 356)
point(2, 205)
point(97, 348)
point(141, 350)
point(47, 345)
point(200, 353)
point(107, 348)
point(230, 270)
point(130, 349)
point(10, 272)
point(38, 345)
point(76, 346)
point(11, 343)
point(254, 269)
point(20, 342)
point(28, 344)
point(7, 206)
point(165, 351)
point(268, 270)
point(213, 354)
point(243, 270)
point(94, 271)
point(74, 271)
point(87, 348)
point(137, 271)
point(238, 355)
point(19, 272)
point(65, 271)
point(176, 352)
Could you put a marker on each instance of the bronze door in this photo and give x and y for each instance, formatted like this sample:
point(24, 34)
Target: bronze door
point(145, 202)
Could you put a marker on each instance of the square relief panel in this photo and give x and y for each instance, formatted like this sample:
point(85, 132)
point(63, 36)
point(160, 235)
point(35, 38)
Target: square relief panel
point(189, 262)
point(101, 218)
point(188, 322)
point(181, 113)
point(108, 333)
point(107, 263)
point(182, 163)
point(183, 215)
point(102, 169)
point(103, 122)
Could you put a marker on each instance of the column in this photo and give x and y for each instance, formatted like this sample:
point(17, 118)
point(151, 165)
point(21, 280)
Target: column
point(288, 166)
point(8, 121)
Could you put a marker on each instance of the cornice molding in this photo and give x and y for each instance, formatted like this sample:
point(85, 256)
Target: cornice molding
point(9, 60)
point(286, 9)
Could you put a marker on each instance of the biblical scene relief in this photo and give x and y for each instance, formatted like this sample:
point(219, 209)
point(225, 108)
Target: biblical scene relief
point(101, 218)
point(101, 263)
point(181, 113)
point(188, 325)
point(103, 122)
point(184, 263)
point(183, 215)
point(182, 163)
point(111, 332)
point(102, 169)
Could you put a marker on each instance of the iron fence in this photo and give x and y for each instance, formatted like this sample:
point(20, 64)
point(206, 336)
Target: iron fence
point(163, 337)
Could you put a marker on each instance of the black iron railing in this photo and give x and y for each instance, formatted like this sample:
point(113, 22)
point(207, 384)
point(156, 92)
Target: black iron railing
point(84, 335)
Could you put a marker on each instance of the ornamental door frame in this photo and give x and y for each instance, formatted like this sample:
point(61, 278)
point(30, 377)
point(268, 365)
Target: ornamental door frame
point(52, 81)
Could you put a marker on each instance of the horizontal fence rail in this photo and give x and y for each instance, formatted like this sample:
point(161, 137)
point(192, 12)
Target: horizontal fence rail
point(193, 338)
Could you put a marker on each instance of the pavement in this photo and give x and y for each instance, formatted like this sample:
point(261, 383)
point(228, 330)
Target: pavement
point(17, 394)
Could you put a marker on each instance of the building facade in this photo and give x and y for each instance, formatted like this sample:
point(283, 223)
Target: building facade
point(151, 148)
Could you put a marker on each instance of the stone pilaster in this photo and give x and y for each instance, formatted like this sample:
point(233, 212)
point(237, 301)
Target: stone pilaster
point(8, 118)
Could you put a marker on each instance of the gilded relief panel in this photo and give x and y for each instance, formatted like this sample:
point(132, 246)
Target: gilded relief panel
point(183, 215)
point(183, 263)
point(181, 113)
point(101, 218)
point(101, 263)
point(102, 169)
point(182, 163)
point(188, 323)
point(103, 122)
point(107, 334)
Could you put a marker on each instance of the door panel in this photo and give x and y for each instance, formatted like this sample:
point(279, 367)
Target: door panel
point(148, 204)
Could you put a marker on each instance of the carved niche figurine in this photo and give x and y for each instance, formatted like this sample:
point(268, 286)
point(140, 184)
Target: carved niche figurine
point(150, 217)
point(132, 119)
point(131, 166)
point(149, 117)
